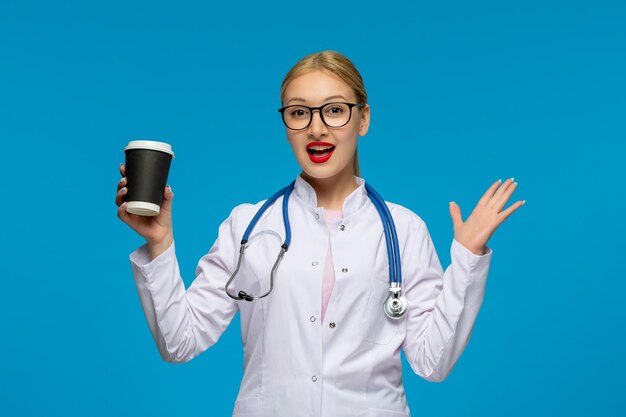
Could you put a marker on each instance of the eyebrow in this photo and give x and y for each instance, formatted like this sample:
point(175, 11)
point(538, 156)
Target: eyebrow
point(326, 99)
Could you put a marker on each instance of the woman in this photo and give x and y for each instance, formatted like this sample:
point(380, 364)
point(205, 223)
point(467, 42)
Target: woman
point(320, 344)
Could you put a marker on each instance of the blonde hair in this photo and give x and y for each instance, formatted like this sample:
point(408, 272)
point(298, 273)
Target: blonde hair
point(338, 65)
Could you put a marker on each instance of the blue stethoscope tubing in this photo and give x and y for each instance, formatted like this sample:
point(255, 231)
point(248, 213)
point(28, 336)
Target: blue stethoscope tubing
point(395, 305)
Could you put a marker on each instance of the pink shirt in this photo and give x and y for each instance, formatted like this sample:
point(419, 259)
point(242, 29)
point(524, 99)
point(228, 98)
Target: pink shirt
point(329, 271)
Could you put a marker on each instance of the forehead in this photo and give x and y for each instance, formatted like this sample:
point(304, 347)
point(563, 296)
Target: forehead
point(316, 86)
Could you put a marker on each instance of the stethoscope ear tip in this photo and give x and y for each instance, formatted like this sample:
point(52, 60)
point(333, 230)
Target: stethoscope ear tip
point(244, 296)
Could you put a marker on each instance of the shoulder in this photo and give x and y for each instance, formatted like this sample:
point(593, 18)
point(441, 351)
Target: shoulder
point(410, 227)
point(245, 210)
point(404, 217)
point(241, 216)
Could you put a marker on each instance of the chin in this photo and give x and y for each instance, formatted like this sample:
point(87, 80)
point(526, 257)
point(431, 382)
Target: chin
point(318, 175)
point(321, 172)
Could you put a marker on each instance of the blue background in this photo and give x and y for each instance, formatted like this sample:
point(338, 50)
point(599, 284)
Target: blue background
point(462, 93)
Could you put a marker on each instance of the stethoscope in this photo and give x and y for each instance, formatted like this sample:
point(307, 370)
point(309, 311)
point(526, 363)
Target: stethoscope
point(394, 306)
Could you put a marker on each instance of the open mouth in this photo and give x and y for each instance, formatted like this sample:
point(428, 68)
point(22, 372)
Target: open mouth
point(320, 151)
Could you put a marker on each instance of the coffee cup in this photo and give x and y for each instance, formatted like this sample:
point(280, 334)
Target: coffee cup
point(147, 167)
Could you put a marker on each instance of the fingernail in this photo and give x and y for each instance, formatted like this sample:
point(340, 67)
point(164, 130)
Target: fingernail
point(122, 180)
point(512, 179)
point(123, 204)
point(169, 187)
point(523, 202)
point(123, 190)
point(500, 180)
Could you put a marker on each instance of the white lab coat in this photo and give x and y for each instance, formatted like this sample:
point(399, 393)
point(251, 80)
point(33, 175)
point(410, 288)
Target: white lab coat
point(349, 365)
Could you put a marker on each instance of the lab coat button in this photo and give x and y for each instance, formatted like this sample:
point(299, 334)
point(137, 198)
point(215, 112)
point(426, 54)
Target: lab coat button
point(331, 325)
point(317, 216)
point(314, 263)
point(312, 318)
point(344, 269)
point(342, 227)
point(314, 378)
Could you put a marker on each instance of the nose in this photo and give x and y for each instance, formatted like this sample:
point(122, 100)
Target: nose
point(317, 128)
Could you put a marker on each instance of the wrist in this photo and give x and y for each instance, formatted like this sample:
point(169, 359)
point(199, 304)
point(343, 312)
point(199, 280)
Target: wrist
point(156, 248)
point(478, 251)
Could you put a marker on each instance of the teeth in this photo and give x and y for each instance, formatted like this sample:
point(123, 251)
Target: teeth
point(321, 148)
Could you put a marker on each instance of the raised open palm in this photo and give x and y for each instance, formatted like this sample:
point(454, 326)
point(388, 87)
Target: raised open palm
point(475, 232)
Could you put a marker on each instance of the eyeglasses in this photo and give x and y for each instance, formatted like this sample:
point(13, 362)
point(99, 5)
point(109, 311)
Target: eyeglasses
point(299, 117)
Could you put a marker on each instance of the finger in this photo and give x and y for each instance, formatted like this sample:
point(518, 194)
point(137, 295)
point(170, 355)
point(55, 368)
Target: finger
point(506, 213)
point(168, 196)
point(499, 192)
point(119, 197)
point(123, 170)
point(455, 213)
point(489, 193)
point(121, 183)
point(121, 213)
point(501, 201)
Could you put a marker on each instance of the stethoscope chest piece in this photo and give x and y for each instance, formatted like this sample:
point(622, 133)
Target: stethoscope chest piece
point(395, 305)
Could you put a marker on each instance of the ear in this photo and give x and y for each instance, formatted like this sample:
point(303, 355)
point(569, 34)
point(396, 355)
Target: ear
point(365, 120)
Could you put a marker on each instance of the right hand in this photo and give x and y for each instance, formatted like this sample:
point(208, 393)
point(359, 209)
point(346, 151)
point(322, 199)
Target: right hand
point(157, 230)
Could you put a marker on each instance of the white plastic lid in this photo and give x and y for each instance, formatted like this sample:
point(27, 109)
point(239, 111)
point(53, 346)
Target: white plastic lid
point(150, 144)
point(142, 208)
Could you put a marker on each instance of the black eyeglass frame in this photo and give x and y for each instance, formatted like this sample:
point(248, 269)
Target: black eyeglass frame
point(350, 106)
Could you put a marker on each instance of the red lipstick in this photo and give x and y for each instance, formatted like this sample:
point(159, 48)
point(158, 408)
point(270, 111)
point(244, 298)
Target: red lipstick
point(320, 152)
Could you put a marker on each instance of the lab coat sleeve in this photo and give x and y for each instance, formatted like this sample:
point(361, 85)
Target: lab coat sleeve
point(184, 323)
point(442, 306)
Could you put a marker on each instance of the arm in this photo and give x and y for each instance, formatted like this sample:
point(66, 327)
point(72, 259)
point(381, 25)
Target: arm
point(446, 304)
point(442, 306)
point(184, 323)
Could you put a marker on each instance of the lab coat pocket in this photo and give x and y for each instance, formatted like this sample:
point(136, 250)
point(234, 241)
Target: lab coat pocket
point(247, 407)
point(379, 328)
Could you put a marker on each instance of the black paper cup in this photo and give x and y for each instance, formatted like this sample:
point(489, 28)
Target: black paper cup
point(147, 167)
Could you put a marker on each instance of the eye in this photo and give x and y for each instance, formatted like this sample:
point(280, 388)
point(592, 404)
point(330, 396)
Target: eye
point(298, 112)
point(335, 109)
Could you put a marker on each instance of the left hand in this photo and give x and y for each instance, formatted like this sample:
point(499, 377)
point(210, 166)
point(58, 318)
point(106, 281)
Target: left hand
point(486, 217)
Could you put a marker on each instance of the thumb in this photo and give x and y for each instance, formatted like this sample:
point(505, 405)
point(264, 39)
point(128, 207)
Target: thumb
point(168, 196)
point(455, 213)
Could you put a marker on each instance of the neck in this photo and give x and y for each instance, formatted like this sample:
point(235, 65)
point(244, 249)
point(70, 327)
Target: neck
point(332, 192)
